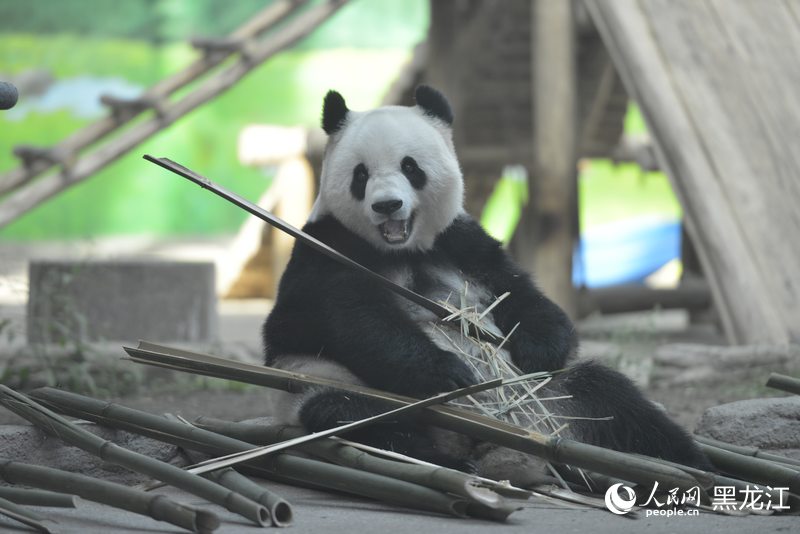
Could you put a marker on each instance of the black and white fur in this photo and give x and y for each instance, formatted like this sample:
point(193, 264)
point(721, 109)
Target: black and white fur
point(391, 198)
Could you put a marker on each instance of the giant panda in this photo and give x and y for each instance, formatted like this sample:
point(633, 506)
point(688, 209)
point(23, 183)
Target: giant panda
point(391, 198)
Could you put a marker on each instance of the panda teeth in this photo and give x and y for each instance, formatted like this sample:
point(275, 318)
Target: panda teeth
point(396, 231)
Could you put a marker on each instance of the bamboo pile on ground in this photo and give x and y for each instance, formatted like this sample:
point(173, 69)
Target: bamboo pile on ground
point(613, 465)
point(56, 425)
point(388, 484)
point(552, 448)
point(152, 505)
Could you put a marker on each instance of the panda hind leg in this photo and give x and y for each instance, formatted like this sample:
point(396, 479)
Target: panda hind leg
point(326, 409)
point(636, 424)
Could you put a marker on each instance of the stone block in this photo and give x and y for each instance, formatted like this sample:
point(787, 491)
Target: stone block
point(72, 302)
point(772, 424)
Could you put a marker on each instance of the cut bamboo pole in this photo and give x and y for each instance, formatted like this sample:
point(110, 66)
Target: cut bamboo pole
point(35, 497)
point(755, 452)
point(23, 515)
point(280, 510)
point(785, 383)
point(551, 448)
point(158, 507)
point(113, 453)
point(441, 478)
point(755, 469)
point(284, 466)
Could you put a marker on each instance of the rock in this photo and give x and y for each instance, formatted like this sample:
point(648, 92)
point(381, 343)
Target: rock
point(769, 424)
point(25, 443)
point(75, 302)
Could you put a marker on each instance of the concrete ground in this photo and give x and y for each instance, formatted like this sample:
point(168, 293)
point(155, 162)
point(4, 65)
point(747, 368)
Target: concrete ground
point(316, 511)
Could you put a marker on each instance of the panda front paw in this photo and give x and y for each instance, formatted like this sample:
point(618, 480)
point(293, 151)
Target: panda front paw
point(441, 371)
point(544, 352)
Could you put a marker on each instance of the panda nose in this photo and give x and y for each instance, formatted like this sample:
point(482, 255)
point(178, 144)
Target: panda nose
point(387, 207)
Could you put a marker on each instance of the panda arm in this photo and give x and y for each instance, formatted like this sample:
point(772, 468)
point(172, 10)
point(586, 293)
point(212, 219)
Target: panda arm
point(326, 309)
point(545, 338)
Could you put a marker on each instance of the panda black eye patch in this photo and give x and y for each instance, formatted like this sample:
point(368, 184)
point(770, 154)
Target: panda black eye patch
point(358, 186)
point(412, 171)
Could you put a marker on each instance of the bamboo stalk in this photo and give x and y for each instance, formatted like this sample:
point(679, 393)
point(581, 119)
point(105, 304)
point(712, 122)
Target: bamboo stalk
point(113, 453)
point(256, 452)
point(551, 448)
point(158, 507)
point(749, 451)
point(785, 383)
point(755, 469)
point(279, 509)
point(436, 477)
point(23, 515)
point(284, 466)
point(36, 497)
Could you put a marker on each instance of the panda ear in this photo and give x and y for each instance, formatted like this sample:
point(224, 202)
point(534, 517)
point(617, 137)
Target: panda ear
point(334, 112)
point(434, 104)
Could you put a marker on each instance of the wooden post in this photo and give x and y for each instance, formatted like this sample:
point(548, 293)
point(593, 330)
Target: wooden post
point(545, 236)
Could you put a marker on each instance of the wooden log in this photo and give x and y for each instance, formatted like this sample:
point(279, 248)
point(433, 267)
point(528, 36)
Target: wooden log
point(545, 237)
point(630, 298)
point(716, 82)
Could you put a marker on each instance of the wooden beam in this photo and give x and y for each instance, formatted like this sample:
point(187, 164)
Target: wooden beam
point(717, 85)
point(694, 296)
point(545, 238)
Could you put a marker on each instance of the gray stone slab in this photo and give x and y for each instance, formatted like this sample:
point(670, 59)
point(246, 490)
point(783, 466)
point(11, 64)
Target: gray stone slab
point(121, 301)
point(771, 424)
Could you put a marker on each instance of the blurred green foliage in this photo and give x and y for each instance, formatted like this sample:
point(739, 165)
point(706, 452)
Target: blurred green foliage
point(362, 23)
point(133, 197)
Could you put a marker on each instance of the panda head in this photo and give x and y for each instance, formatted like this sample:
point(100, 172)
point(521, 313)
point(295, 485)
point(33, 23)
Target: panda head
point(390, 175)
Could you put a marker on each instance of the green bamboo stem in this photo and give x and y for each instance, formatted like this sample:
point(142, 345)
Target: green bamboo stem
point(755, 469)
point(551, 448)
point(785, 383)
point(749, 451)
point(213, 464)
point(36, 497)
point(280, 510)
point(23, 515)
point(113, 453)
point(157, 507)
point(440, 478)
point(284, 466)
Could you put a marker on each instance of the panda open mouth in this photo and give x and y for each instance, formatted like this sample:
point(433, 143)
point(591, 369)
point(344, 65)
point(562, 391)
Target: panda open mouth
point(396, 232)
